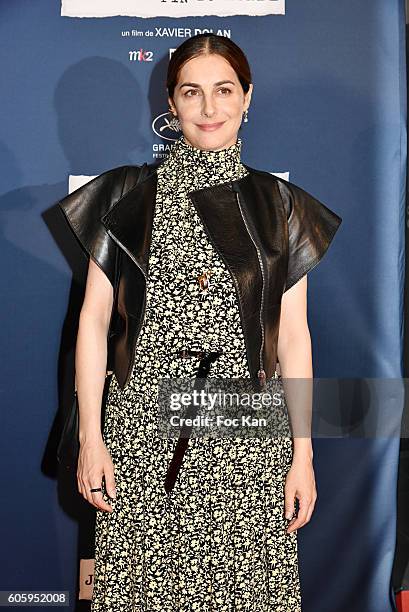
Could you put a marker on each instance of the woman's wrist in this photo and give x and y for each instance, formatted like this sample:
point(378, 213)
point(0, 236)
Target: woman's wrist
point(302, 450)
point(90, 435)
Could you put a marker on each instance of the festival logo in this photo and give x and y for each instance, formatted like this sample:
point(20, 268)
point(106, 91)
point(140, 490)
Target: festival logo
point(167, 127)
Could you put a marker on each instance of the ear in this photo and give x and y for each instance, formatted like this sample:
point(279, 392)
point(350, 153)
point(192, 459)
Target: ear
point(247, 96)
point(171, 104)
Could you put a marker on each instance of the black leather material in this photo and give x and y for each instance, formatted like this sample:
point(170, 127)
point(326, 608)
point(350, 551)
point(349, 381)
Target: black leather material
point(92, 238)
point(83, 209)
point(220, 213)
point(269, 232)
point(311, 227)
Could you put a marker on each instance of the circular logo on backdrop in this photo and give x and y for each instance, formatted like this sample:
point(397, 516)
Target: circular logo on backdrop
point(166, 126)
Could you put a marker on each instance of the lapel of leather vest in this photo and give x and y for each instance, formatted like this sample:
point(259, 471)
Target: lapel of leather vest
point(225, 226)
point(129, 221)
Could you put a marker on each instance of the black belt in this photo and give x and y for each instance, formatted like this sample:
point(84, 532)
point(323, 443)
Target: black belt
point(206, 359)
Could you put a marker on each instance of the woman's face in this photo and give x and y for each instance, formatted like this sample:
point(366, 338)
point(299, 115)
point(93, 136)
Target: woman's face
point(209, 102)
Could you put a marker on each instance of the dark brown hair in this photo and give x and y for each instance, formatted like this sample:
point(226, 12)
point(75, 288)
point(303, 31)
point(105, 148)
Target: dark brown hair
point(207, 44)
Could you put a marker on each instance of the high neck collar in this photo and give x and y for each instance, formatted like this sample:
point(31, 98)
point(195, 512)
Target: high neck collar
point(188, 168)
point(183, 151)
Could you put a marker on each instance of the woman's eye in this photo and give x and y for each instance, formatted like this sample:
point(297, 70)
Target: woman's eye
point(224, 90)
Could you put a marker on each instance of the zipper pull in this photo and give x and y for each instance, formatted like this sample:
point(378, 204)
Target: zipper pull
point(262, 378)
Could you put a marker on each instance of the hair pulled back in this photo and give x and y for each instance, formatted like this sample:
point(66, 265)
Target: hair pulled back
point(207, 44)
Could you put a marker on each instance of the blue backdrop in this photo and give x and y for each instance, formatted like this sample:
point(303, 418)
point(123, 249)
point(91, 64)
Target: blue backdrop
point(329, 106)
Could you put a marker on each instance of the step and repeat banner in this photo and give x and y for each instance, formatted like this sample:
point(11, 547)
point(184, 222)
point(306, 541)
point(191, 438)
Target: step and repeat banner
point(83, 90)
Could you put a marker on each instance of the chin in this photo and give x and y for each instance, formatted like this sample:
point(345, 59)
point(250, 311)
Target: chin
point(216, 139)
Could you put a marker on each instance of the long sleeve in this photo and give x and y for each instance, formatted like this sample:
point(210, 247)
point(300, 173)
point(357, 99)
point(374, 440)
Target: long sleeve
point(311, 228)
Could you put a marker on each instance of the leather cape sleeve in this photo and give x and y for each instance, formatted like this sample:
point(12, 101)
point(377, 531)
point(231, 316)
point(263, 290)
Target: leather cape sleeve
point(311, 228)
point(83, 209)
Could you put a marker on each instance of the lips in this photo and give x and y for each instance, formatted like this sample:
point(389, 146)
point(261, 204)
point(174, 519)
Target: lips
point(210, 127)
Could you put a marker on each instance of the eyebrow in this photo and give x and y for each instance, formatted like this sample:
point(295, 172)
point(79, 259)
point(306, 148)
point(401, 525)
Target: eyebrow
point(198, 85)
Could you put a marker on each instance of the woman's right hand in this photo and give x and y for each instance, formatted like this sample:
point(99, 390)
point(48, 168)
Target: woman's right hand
point(94, 462)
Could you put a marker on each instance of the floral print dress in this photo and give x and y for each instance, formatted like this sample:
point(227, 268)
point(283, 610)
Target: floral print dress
point(217, 542)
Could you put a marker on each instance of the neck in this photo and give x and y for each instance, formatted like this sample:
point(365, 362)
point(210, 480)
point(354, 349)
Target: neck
point(232, 143)
point(193, 168)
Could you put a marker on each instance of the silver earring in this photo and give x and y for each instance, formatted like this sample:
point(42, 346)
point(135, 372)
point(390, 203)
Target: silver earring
point(246, 116)
point(174, 121)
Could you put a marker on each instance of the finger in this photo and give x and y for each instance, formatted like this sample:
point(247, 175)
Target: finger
point(85, 490)
point(294, 524)
point(309, 513)
point(110, 482)
point(289, 503)
point(81, 487)
point(299, 521)
point(84, 486)
point(80, 484)
point(99, 502)
point(80, 480)
point(89, 495)
point(302, 516)
point(311, 510)
point(97, 498)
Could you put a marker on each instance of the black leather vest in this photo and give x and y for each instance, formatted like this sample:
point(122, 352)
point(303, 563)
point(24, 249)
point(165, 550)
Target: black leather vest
point(268, 231)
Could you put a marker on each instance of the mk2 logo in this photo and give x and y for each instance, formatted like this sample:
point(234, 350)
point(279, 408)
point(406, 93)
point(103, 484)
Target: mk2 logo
point(140, 56)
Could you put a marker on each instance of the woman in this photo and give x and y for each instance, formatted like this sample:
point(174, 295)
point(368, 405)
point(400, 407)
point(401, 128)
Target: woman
point(214, 255)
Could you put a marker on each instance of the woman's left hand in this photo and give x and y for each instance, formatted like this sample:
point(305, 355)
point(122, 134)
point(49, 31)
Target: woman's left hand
point(300, 484)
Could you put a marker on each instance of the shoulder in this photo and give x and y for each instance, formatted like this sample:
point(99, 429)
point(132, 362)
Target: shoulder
point(295, 198)
point(107, 178)
point(114, 179)
point(287, 190)
point(84, 207)
point(97, 195)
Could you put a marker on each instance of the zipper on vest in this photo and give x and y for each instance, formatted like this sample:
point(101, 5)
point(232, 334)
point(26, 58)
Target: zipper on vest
point(261, 374)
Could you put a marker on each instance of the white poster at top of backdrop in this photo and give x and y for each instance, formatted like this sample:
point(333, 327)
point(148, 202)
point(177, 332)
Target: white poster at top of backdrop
point(169, 8)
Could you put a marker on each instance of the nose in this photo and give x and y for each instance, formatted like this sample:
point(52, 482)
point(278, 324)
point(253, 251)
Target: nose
point(208, 105)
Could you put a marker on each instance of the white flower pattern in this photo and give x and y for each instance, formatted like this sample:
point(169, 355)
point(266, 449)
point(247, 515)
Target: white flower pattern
point(217, 542)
